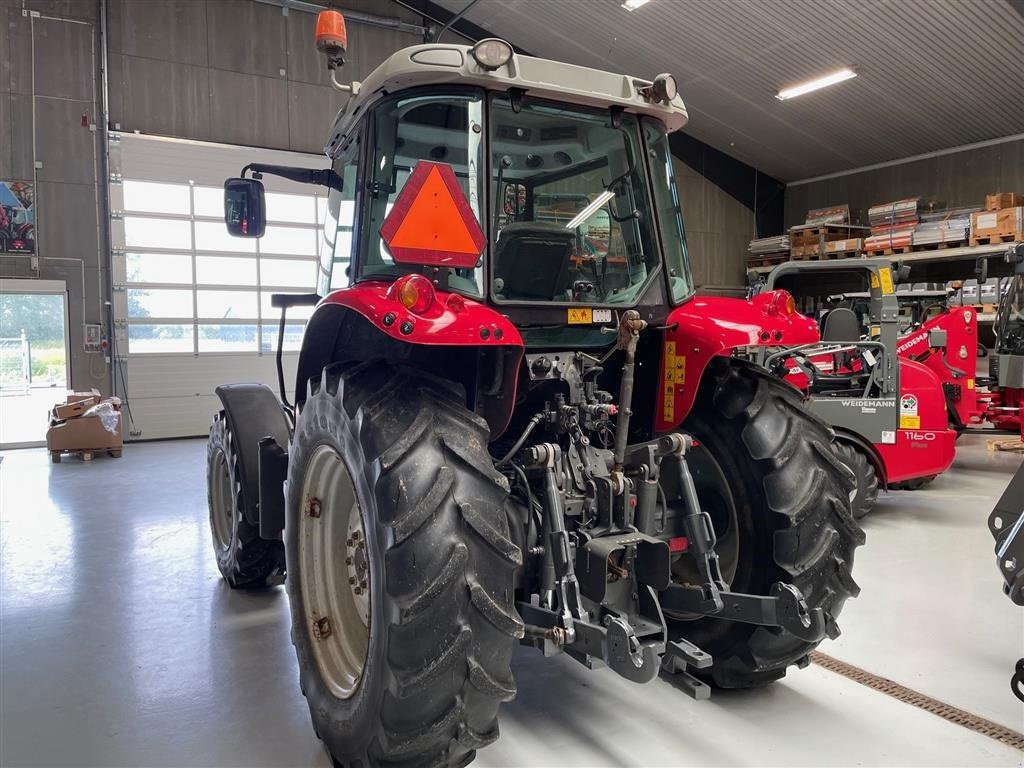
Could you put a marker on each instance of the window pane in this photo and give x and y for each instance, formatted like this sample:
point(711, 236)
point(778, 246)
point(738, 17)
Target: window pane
point(294, 313)
point(159, 302)
point(159, 268)
point(225, 270)
point(213, 236)
point(227, 338)
point(157, 233)
point(321, 209)
point(150, 197)
point(298, 208)
point(159, 338)
point(226, 304)
point(289, 240)
point(288, 272)
point(292, 337)
point(208, 201)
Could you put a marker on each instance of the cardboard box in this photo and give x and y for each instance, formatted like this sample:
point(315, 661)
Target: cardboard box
point(85, 433)
point(1006, 221)
point(851, 244)
point(74, 409)
point(73, 397)
point(999, 200)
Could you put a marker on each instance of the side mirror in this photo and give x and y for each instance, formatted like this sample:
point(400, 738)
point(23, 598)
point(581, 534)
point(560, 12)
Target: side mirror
point(902, 273)
point(244, 208)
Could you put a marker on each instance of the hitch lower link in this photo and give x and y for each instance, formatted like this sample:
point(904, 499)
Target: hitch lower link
point(783, 607)
point(615, 639)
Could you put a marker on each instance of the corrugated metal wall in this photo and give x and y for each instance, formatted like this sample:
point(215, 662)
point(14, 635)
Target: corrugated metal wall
point(67, 197)
point(718, 230)
point(234, 71)
point(956, 179)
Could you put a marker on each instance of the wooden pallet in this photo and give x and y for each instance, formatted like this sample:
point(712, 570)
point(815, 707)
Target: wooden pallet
point(55, 456)
point(767, 259)
point(921, 247)
point(824, 232)
point(897, 251)
point(995, 239)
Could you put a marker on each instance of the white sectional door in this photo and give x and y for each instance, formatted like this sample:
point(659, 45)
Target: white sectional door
point(191, 303)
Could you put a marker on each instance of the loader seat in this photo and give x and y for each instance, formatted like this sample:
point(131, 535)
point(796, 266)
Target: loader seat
point(840, 325)
point(533, 260)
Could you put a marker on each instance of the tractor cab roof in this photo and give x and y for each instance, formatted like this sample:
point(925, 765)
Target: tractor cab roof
point(442, 64)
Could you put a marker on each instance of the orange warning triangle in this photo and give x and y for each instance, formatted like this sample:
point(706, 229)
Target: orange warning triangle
point(431, 221)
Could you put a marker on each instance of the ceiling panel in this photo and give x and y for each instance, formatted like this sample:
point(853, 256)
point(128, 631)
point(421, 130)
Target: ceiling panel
point(931, 74)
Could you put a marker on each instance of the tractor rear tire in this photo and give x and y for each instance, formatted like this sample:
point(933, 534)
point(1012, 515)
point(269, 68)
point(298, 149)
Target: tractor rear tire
point(791, 501)
point(244, 559)
point(866, 493)
point(427, 662)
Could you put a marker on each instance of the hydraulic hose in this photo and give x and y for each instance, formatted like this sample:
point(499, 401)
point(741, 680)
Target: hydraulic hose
point(522, 439)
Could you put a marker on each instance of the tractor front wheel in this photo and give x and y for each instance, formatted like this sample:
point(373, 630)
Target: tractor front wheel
point(779, 500)
point(866, 492)
point(400, 569)
point(244, 559)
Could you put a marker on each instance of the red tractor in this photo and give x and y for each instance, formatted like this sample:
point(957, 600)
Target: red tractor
point(516, 422)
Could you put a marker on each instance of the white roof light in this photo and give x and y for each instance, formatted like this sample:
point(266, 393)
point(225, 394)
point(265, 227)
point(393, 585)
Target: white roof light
point(813, 85)
point(632, 5)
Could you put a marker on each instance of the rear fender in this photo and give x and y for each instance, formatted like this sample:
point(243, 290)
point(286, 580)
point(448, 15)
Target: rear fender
point(924, 445)
point(456, 338)
point(707, 326)
point(253, 413)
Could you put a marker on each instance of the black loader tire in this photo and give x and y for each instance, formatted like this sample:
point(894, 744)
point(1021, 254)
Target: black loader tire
point(915, 484)
point(792, 500)
point(442, 621)
point(866, 493)
point(244, 559)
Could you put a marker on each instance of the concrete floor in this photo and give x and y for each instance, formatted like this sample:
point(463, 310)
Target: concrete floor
point(120, 646)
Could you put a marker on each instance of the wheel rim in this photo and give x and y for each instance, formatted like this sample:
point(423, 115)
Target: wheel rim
point(222, 500)
point(334, 572)
point(716, 499)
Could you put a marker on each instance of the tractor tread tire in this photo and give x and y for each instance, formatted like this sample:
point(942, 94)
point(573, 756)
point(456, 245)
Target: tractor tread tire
point(807, 489)
point(914, 484)
point(448, 621)
point(866, 492)
point(249, 562)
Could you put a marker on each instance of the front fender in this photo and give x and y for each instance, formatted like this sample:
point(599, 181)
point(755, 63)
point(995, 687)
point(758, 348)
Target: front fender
point(708, 326)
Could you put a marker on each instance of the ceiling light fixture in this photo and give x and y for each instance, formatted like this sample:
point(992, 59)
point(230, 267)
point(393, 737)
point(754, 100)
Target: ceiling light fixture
point(812, 85)
point(632, 5)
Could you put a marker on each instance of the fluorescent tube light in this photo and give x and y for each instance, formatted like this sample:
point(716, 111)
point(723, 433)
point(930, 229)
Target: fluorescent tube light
point(812, 85)
point(632, 5)
point(591, 209)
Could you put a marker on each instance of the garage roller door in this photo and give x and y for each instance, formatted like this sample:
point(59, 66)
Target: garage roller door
point(192, 304)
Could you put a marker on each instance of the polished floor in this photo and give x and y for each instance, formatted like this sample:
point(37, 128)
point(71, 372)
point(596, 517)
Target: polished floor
point(120, 646)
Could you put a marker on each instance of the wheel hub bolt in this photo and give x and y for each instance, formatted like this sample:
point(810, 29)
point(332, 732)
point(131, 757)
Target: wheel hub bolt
point(358, 590)
point(351, 579)
point(348, 561)
point(313, 506)
point(321, 628)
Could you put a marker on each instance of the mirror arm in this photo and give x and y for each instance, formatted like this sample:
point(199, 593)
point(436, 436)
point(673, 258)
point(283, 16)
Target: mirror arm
point(325, 177)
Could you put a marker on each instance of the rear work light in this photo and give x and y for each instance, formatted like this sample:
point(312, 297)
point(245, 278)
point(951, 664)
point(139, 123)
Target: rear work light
point(415, 293)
